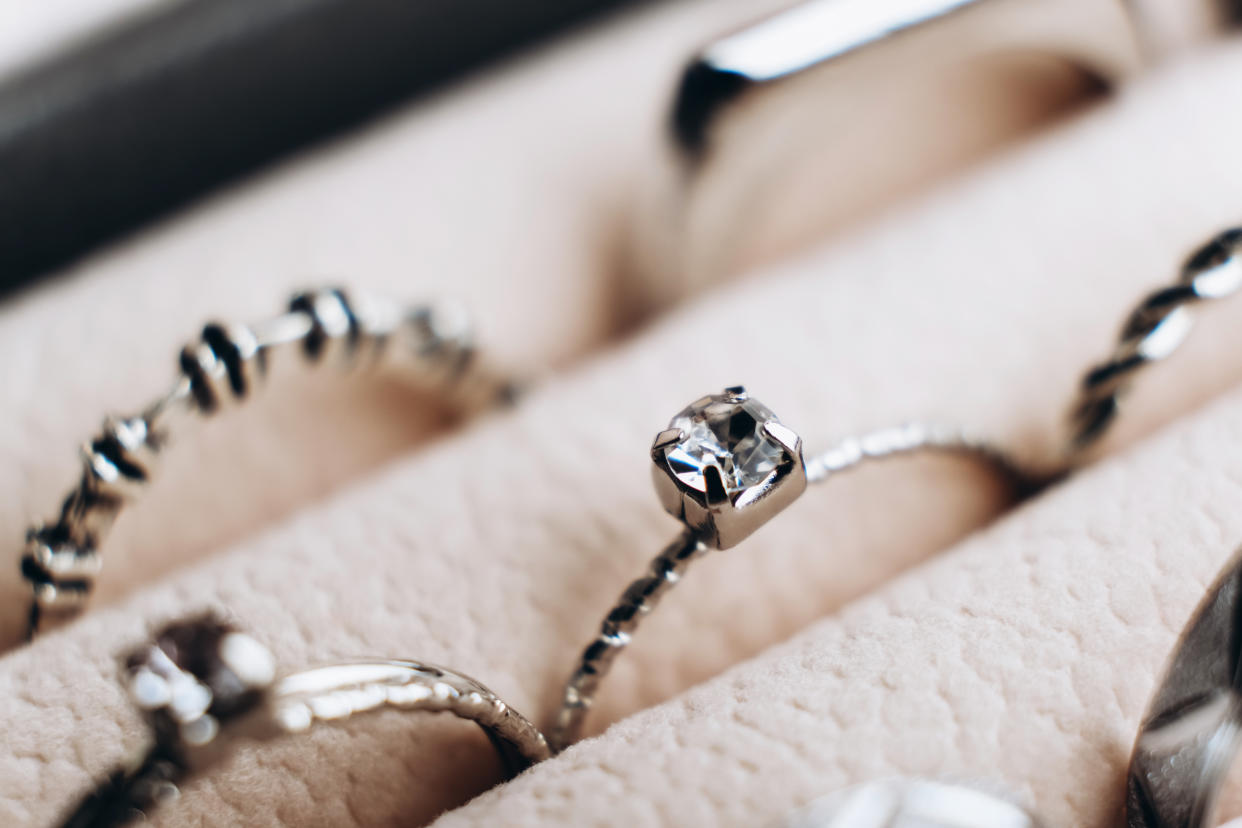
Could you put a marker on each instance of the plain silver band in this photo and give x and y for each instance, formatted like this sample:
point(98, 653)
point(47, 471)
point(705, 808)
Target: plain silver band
point(751, 104)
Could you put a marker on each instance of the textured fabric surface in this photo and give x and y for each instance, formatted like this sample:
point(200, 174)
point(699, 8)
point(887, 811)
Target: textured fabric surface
point(496, 548)
point(1022, 659)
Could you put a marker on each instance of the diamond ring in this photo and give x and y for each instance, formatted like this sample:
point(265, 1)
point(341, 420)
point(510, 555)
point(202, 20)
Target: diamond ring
point(201, 679)
point(725, 466)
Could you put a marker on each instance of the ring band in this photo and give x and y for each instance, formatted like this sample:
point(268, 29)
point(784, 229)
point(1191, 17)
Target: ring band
point(724, 467)
point(768, 123)
point(202, 678)
point(430, 344)
point(1192, 730)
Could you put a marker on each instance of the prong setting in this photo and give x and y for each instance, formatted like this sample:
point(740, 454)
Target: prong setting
point(716, 495)
point(784, 435)
point(668, 437)
point(726, 465)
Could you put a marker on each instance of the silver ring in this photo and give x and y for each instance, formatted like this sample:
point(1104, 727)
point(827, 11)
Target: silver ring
point(766, 119)
point(430, 344)
point(724, 467)
point(911, 803)
point(1154, 330)
point(1192, 730)
point(201, 680)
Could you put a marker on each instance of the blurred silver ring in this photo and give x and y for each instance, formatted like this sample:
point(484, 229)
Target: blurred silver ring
point(201, 679)
point(1192, 731)
point(786, 106)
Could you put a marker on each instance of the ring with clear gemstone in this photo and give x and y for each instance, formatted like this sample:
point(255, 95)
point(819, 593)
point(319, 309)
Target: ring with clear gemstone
point(725, 466)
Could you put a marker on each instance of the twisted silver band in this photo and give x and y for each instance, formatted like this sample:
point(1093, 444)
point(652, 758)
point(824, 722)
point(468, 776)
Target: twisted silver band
point(668, 567)
point(1153, 331)
point(1192, 731)
point(200, 680)
point(430, 344)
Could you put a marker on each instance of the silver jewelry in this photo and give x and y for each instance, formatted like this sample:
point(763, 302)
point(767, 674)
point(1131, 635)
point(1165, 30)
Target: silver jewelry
point(724, 467)
point(911, 803)
point(1153, 331)
point(200, 681)
point(780, 104)
point(1192, 730)
point(430, 344)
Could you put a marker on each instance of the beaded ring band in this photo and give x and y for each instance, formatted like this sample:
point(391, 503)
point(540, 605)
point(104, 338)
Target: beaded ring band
point(430, 344)
point(726, 465)
point(201, 680)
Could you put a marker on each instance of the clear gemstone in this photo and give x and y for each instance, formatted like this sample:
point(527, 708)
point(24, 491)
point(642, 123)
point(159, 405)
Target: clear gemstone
point(726, 433)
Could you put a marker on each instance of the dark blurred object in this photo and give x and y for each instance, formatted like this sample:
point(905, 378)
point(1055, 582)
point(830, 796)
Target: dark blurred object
point(113, 134)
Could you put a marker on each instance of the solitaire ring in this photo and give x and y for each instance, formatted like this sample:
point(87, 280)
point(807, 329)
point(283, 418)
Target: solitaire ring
point(724, 467)
point(201, 680)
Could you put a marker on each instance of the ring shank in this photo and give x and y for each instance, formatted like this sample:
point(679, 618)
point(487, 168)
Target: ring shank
point(343, 690)
point(298, 701)
point(639, 598)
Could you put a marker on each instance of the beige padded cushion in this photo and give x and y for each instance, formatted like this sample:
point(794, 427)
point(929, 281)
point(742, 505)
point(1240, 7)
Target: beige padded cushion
point(1024, 654)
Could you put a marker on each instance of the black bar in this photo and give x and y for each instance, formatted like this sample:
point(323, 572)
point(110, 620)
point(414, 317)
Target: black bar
point(128, 127)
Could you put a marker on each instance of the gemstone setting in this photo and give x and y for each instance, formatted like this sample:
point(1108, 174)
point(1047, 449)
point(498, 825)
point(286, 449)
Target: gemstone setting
point(724, 439)
point(725, 465)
